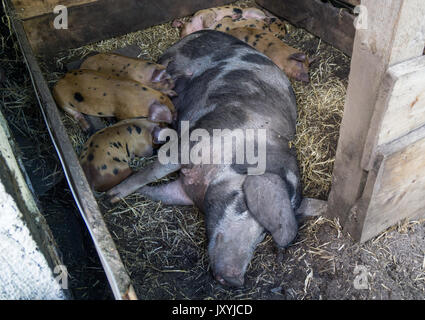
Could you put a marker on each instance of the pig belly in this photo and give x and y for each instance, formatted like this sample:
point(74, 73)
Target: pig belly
point(196, 180)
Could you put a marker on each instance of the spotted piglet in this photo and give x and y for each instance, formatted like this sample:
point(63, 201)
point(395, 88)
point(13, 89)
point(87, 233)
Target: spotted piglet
point(148, 73)
point(107, 154)
point(102, 95)
point(275, 26)
point(290, 60)
point(205, 19)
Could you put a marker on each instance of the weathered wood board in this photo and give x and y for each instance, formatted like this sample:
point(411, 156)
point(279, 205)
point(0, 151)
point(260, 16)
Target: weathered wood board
point(352, 2)
point(395, 31)
point(397, 184)
point(105, 19)
point(400, 108)
point(32, 8)
point(331, 24)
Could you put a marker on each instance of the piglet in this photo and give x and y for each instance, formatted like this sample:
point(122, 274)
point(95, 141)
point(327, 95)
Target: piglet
point(102, 95)
point(106, 156)
point(148, 73)
point(290, 60)
point(204, 19)
point(228, 23)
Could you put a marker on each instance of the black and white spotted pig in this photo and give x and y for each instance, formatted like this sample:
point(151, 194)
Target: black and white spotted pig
point(222, 83)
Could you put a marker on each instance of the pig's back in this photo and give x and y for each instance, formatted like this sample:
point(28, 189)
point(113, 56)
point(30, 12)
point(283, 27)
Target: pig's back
point(222, 83)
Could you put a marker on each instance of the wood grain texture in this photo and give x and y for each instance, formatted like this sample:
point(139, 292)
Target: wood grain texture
point(331, 24)
point(398, 190)
point(375, 49)
point(352, 2)
point(32, 8)
point(400, 108)
point(105, 19)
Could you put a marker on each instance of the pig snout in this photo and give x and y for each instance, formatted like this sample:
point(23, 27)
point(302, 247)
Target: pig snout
point(230, 277)
point(232, 248)
point(228, 269)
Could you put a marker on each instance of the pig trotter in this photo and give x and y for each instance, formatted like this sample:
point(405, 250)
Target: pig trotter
point(151, 173)
point(169, 194)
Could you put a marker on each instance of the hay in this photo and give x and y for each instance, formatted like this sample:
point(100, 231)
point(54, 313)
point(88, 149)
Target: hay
point(164, 247)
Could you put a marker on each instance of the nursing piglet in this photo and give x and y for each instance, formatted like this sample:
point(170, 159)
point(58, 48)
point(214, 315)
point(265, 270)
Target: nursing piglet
point(107, 155)
point(148, 73)
point(97, 94)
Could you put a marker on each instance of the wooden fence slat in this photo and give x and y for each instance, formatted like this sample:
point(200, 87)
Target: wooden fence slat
point(26, 9)
point(397, 185)
point(388, 39)
point(105, 19)
point(331, 24)
point(352, 2)
point(400, 108)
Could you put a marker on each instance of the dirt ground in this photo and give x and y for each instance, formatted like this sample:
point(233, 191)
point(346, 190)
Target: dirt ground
point(323, 263)
point(164, 247)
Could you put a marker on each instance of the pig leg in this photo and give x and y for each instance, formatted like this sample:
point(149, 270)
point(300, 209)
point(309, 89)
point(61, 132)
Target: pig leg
point(78, 116)
point(253, 13)
point(151, 173)
point(95, 124)
point(311, 208)
point(170, 194)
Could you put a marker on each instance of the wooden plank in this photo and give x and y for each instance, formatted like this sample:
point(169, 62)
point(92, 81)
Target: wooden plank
point(104, 19)
point(105, 247)
point(375, 48)
point(398, 190)
point(32, 8)
point(400, 108)
point(352, 2)
point(331, 24)
point(20, 184)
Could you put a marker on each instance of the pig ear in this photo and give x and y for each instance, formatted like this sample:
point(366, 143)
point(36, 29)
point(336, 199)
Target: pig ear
point(160, 74)
point(268, 201)
point(177, 23)
point(299, 56)
point(160, 113)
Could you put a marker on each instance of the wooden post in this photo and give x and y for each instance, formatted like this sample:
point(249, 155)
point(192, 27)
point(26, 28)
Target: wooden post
point(395, 33)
